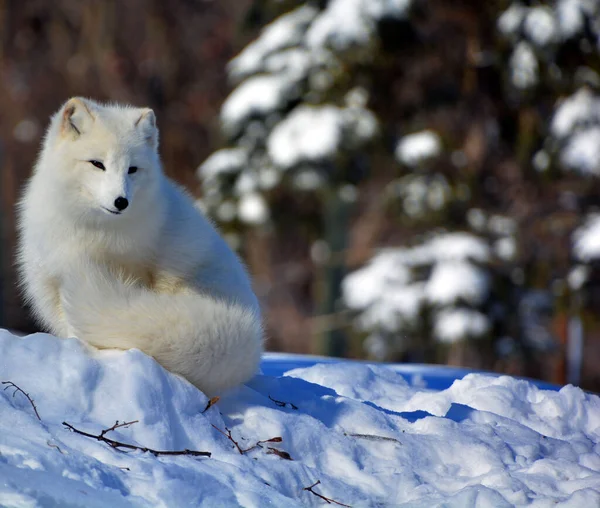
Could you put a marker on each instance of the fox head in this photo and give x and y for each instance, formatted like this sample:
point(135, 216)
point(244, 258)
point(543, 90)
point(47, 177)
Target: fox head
point(105, 157)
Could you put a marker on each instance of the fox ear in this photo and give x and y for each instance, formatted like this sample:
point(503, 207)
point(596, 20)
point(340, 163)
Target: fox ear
point(76, 117)
point(146, 122)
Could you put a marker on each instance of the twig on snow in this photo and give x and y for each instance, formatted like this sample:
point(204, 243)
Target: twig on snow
point(211, 403)
point(117, 444)
point(116, 426)
point(373, 437)
point(272, 451)
point(52, 445)
point(326, 499)
point(228, 436)
point(18, 389)
point(281, 403)
point(260, 443)
point(279, 453)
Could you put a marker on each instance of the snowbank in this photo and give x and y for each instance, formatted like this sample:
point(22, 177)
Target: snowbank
point(370, 438)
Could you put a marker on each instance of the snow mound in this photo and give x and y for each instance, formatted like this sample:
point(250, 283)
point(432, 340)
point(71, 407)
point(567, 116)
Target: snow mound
point(362, 431)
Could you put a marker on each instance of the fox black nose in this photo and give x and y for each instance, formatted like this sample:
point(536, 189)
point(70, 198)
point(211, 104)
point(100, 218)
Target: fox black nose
point(121, 204)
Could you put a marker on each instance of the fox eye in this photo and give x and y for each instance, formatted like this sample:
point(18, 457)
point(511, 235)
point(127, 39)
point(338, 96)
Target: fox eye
point(98, 164)
point(132, 169)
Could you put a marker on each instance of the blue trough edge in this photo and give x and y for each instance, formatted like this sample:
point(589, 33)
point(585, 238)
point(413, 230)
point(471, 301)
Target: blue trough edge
point(433, 377)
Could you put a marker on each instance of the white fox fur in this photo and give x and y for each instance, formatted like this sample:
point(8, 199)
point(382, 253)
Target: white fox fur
point(155, 275)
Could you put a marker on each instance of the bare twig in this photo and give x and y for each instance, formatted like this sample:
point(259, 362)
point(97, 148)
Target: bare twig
point(18, 389)
point(116, 426)
point(326, 499)
point(117, 444)
point(280, 403)
point(260, 443)
point(279, 453)
point(52, 445)
point(211, 403)
point(373, 437)
point(278, 439)
point(228, 436)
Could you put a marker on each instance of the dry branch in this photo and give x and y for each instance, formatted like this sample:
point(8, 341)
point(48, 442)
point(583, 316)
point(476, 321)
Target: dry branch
point(116, 426)
point(52, 445)
point(211, 403)
point(327, 499)
point(228, 436)
point(280, 403)
point(279, 453)
point(273, 451)
point(17, 389)
point(373, 437)
point(117, 444)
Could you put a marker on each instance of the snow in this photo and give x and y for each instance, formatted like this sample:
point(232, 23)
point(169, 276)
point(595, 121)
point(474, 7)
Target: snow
point(586, 239)
point(574, 112)
point(343, 25)
point(506, 248)
point(538, 32)
point(453, 325)
point(459, 245)
point(570, 17)
point(524, 66)
point(418, 147)
point(226, 211)
point(511, 19)
point(541, 161)
point(370, 438)
point(285, 32)
point(389, 8)
point(295, 63)
point(501, 225)
point(583, 151)
point(226, 160)
point(257, 96)
point(384, 292)
point(350, 24)
point(395, 309)
point(385, 267)
point(454, 281)
point(541, 26)
point(388, 295)
point(578, 276)
point(315, 134)
point(547, 25)
point(307, 134)
point(575, 131)
point(253, 209)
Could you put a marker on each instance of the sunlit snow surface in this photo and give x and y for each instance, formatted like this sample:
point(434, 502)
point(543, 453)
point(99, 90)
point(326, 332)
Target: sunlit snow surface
point(369, 437)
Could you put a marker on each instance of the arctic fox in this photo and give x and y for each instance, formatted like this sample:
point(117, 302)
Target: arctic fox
point(113, 252)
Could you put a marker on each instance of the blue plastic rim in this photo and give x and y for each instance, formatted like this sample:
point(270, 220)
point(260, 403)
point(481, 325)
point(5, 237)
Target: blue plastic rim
point(433, 377)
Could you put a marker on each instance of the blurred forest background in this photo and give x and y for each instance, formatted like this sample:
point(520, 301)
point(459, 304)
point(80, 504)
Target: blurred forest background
point(407, 180)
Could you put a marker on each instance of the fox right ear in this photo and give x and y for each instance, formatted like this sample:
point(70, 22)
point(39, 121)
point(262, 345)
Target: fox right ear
point(76, 117)
point(147, 122)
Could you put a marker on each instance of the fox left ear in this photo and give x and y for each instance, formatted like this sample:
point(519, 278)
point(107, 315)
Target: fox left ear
point(147, 123)
point(76, 117)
